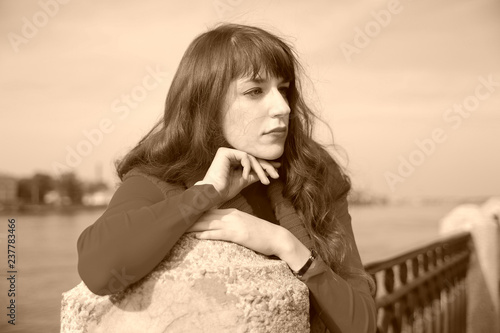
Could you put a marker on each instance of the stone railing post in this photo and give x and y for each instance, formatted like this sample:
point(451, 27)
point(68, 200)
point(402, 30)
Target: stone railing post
point(483, 278)
point(202, 286)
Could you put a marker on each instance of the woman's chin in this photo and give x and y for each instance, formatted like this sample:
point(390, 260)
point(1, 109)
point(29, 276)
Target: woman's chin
point(270, 154)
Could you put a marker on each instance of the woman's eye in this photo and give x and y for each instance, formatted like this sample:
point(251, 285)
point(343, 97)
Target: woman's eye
point(254, 92)
point(284, 91)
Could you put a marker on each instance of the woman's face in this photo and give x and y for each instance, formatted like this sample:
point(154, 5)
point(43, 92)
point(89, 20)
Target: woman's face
point(256, 116)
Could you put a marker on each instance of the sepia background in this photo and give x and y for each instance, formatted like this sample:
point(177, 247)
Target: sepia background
point(410, 90)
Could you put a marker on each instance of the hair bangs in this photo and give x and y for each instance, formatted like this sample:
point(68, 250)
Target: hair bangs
point(253, 57)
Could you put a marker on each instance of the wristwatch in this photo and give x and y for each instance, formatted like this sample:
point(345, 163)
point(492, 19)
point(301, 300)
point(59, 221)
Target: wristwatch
point(306, 266)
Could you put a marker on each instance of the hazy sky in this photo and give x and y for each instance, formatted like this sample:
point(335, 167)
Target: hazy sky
point(389, 77)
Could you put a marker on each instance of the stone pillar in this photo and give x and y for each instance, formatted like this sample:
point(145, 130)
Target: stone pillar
point(491, 211)
point(483, 302)
point(202, 286)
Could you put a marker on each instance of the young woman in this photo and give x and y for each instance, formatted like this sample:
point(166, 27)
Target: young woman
point(236, 127)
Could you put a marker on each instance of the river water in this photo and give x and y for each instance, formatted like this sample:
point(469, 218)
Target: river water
point(46, 254)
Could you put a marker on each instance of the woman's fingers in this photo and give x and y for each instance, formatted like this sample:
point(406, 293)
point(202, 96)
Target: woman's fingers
point(256, 166)
point(213, 219)
point(203, 225)
point(232, 170)
point(271, 170)
point(252, 178)
point(275, 164)
point(247, 167)
point(219, 234)
point(237, 227)
point(249, 163)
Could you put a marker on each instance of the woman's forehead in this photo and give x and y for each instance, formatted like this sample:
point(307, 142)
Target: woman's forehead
point(262, 70)
point(261, 78)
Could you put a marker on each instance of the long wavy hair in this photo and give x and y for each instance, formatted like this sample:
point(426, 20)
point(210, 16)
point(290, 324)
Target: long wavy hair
point(186, 139)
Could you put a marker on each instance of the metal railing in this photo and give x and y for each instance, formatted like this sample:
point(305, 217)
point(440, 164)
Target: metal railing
point(424, 290)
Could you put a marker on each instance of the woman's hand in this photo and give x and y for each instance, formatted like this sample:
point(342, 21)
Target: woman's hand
point(259, 235)
point(238, 227)
point(232, 170)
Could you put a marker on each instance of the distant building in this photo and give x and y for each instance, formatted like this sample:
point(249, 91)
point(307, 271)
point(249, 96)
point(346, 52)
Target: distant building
point(53, 198)
point(8, 189)
point(98, 198)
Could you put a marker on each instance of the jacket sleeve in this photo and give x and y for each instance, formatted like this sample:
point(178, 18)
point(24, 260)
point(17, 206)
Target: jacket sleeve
point(136, 232)
point(343, 305)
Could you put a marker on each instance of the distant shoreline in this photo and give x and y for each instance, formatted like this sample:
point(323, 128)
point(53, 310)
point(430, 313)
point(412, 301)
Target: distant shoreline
point(47, 209)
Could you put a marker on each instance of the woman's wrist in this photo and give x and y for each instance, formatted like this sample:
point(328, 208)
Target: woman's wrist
point(292, 251)
point(210, 193)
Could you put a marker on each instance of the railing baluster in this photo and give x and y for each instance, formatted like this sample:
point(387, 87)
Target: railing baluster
point(424, 289)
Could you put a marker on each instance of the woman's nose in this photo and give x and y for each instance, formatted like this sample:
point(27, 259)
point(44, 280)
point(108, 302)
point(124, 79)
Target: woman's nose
point(279, 104)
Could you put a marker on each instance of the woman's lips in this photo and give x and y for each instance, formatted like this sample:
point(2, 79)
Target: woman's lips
point(276, 130)
point(277, 133)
